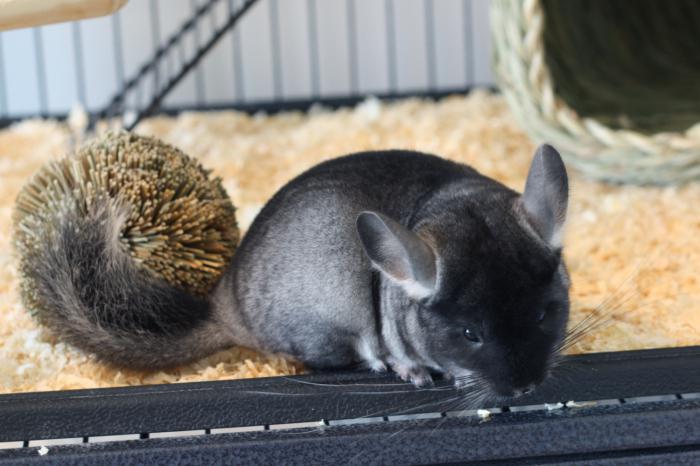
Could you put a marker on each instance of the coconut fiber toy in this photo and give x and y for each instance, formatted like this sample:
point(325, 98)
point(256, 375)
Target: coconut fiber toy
point(173, 220)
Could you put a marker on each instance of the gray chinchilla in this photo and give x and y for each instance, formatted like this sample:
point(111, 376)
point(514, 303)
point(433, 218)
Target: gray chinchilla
point(390, 259)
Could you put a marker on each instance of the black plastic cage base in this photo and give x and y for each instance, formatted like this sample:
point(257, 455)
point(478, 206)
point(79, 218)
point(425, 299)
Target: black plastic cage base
point(623, 434)
point(628, 407)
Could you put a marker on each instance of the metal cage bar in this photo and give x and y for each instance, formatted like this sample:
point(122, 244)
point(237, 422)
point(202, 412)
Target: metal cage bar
point(151, 70)
point(142, 92)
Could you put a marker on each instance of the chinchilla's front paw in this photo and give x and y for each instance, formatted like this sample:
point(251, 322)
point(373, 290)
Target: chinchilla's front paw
point(377, 365)
point(418, 376)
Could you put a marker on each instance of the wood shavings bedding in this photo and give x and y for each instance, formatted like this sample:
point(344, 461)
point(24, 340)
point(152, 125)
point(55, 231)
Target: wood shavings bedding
point(635, 250)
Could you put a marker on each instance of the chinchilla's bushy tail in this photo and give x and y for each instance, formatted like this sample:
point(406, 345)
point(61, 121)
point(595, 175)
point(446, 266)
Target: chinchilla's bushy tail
point(84, 286)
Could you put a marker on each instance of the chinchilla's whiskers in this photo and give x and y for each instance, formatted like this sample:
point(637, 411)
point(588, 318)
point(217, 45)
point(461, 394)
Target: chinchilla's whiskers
point(477, 399)
point(406, 426)
point(603, 316)
point(561, 373)
point(471, 396)
point(476, 386)
point(577, 334)
point(592, 322)
point(357, 385)
point(393, 411)
point(470, 377)
point(474, 399)
point(468, 396)
point(604, 313)
point(473, 392)
point(452, 399)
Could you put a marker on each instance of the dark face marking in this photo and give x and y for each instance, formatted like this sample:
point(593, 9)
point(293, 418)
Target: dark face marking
point(501, 306)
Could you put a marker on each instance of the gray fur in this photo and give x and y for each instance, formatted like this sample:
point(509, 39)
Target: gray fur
point(545, 197)
point(398, 252)
point(100, 301)
point(301, 279)
point(326, 273)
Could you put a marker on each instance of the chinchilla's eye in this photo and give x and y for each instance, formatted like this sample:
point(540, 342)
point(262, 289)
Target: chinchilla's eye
point(541, 315)
point(471, 335)
point(549, 309)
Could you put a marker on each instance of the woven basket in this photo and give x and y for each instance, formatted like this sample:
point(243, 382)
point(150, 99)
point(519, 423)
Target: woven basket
point(614, 85)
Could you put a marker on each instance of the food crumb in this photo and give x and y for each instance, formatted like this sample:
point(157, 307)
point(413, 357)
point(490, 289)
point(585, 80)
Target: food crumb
point(578, 404)
point(553, 406)
point(43, 450)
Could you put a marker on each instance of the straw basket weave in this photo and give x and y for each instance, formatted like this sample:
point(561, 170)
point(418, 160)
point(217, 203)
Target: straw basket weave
point(614, 85)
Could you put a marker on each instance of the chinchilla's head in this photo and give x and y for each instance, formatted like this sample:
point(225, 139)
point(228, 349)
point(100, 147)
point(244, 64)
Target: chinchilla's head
point(480, 278)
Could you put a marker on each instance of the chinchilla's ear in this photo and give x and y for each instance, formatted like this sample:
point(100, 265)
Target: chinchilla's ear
point(398, 253)
point(546, 194)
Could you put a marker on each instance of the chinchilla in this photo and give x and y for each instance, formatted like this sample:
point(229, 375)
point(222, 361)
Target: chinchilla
point(390, 259)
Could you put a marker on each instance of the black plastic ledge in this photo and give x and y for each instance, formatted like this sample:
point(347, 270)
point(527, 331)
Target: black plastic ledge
point(652, 433)
point(345, 395)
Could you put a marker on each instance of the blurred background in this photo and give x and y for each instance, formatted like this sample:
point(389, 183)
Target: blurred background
point(282, 50)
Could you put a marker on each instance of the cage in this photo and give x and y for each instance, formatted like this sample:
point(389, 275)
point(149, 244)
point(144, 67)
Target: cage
point(625, 406)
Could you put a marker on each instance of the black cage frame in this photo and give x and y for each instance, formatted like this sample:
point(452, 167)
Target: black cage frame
point(626, 407)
